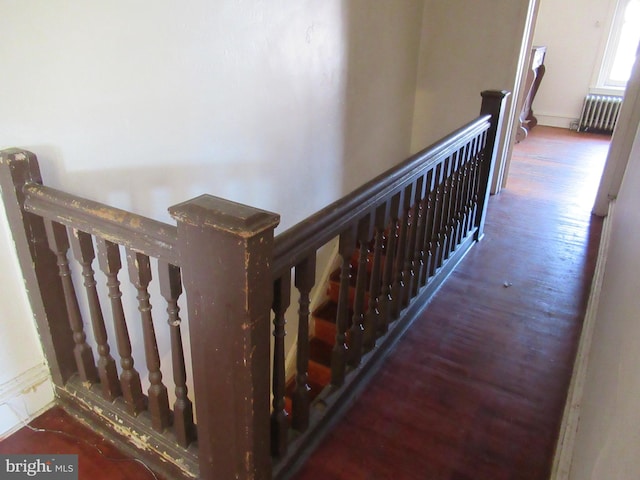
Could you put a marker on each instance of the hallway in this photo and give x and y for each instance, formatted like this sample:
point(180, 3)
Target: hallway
point(476, 389)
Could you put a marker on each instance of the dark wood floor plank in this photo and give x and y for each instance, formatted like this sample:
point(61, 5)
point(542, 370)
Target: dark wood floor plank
point(476, 389)
point(56, 432)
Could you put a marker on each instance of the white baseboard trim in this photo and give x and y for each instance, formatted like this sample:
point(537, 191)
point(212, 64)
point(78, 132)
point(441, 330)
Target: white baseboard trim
point(563, 456)
point(551, 120)
point(23, 398)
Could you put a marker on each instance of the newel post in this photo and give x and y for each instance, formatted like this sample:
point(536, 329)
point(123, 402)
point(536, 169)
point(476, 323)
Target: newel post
point(225, 251)
point(493, 103)
point(38, 263)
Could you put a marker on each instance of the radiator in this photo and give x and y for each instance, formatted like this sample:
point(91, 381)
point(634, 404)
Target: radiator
point(599, 113)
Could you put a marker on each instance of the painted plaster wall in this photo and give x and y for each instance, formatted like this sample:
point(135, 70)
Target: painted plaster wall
point(607, 440)
point(281, 105)
point(21, 362)
point(575, 33)
point(608, 436)
point(14, 304)
point(467, 47)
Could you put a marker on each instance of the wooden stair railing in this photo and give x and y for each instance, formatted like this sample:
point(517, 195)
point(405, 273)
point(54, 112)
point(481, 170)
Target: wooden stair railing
point(75, 254)
point(398, 236)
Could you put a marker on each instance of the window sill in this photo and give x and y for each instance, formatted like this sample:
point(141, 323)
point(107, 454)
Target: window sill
point(614, 91)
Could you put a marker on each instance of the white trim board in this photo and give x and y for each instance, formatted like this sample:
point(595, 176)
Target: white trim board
point(566, 440)
point(23, 398)
point(551, 120)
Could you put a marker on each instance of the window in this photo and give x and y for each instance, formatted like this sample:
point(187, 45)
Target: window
point(622, 45)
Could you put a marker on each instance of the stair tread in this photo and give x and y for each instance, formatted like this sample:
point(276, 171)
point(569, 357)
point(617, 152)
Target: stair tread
point(328, 312)
point(318, 376)
point(320, 351)
point(335, 277)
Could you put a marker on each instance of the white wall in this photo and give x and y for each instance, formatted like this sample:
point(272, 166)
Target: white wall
point(607, 443)
point(468, 47)
point(599, 437)
point(382, 36)
point(282, 105)
point(24, 383)
point(575, 33)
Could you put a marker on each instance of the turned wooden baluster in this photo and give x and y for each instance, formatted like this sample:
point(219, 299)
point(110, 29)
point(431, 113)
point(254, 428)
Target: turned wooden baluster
point(477, 156)
point(418, 251)
point(372, 318)
point(279, 421)
point(425, 254)
point(463, 201)
point(140, 275)
point(457, 163)
point(467, 194)
point(443, 239)
point(458, 206)
point(410, 263)
point(434, 242)
point(465, 191)
point(340, 349)
point(357, 323)
point(399, 282)
point(468, 189)
point(450, 221)
point(386, 292)
point(59, 244)
point(305, 277)
point(171, 289)
point(110, 264)
point(471, 173)
point(462, 196)
point(82, 248)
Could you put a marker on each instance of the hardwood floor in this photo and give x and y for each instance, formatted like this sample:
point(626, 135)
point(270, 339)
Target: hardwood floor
point(475, 390)
point(56, 432)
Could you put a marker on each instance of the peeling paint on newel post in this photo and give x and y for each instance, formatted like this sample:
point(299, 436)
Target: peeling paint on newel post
point(38, 263)
point(225, 252)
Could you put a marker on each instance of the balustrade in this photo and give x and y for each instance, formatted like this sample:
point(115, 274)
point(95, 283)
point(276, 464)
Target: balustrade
point(304, 281)
point(171, 288)
point(59, 244)
point(110, 264)
point(398, 237)
point(279, 420)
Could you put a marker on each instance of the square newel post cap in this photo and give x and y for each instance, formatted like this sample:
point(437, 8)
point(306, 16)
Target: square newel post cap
point(15, 154)
point(495, 94)
point(224, 215)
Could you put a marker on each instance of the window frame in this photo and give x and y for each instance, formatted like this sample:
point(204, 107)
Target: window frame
point(604, 84)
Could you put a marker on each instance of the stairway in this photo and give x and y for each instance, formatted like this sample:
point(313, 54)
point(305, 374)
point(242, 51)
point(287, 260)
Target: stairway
point(322, 342)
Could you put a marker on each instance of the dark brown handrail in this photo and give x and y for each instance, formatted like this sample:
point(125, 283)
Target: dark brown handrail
point(293, 245)
point(425, 213)
point(401, 233)
point(55, 231)
point(139, 233)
